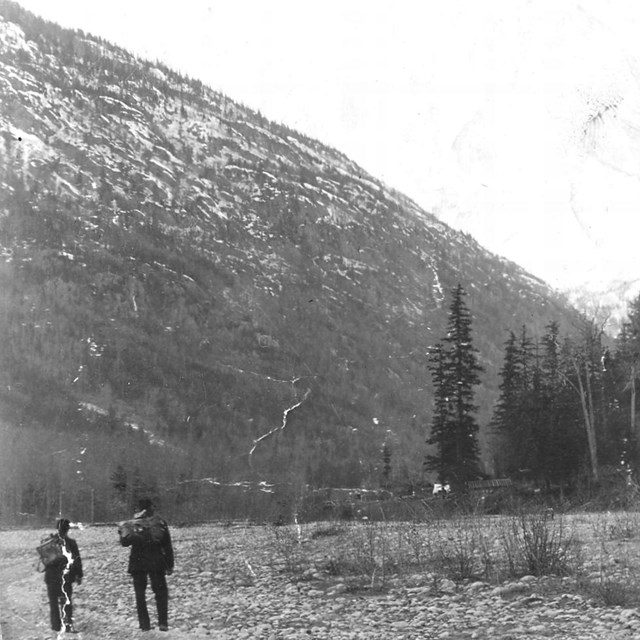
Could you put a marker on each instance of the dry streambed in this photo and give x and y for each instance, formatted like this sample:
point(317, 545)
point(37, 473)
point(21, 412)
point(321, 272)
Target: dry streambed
point(360, 581)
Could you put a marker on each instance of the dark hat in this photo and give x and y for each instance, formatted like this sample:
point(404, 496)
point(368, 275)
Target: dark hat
point(63, 525)
point(145, 503)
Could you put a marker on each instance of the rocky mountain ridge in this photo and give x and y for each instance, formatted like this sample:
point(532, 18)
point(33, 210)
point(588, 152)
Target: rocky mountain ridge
point(609, 303)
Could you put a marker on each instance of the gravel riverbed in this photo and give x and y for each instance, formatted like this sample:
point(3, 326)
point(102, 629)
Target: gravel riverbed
point(239, 582)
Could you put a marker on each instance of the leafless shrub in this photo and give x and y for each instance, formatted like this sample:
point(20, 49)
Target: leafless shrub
point(417, 539)
point(288, 549)
point(534, 544)
point(623, 526)
point(470, 547)
point(610, 592)
point(457, 553)
point(329, 530)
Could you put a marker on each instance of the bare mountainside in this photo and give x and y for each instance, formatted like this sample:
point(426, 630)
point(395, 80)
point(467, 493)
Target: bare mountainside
point(174, 262)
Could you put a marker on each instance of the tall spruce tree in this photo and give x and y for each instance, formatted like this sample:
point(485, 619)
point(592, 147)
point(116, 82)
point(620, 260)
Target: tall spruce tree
point(560, 453)
point(517, 411)
point(443, 398)
point(455, 371)
point(507, 413)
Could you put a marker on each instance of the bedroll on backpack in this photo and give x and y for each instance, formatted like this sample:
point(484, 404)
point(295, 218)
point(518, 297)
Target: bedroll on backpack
point(143, 529)
point(50, 550)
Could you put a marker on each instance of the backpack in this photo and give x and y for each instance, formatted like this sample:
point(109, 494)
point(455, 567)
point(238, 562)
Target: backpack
point(50, 550)
point(150, 529)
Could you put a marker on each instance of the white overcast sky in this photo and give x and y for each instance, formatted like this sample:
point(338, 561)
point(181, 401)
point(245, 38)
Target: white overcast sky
point(477, 110)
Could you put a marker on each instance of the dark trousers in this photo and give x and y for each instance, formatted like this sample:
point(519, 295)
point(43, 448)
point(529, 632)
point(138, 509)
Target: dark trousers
point(159, 588)
point(60, 598)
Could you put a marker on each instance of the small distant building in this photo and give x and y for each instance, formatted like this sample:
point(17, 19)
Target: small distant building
point(439, 488)
point(483, 488)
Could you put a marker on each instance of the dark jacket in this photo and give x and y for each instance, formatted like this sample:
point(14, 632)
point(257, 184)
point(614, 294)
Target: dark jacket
point(54, 571)
point(148, 554)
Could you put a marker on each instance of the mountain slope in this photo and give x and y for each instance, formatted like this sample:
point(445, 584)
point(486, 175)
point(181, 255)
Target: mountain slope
point(175, 261)
point(609, 304)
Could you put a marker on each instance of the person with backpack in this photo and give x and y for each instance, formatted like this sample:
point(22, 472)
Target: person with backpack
point(62, 568)
point(151, 560)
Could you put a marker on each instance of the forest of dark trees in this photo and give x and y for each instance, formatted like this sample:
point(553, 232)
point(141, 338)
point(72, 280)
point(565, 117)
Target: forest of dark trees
point(567, 408)
point(565, 421)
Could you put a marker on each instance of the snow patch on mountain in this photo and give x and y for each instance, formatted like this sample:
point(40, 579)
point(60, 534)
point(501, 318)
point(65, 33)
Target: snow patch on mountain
point(607, 304)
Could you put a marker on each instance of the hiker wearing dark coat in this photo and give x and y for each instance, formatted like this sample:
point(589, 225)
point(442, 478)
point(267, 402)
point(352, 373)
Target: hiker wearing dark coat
point(59, 577)
point(151, 560)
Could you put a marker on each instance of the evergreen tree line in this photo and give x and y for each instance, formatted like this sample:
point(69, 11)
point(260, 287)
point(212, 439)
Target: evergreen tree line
point(566, 409)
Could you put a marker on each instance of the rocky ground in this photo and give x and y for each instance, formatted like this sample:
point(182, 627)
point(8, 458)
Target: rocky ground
point(287, 582)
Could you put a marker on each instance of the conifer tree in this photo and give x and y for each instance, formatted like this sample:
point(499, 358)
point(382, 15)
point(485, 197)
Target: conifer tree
point(517, 411)
point(506, 418)
point(558, 434)
point(510, 374)
point(527, 360)
point(625, 365)
point(443, 395)
point(455, 370)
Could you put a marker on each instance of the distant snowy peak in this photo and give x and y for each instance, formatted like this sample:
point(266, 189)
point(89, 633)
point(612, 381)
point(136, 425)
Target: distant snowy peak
point(608, 304)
